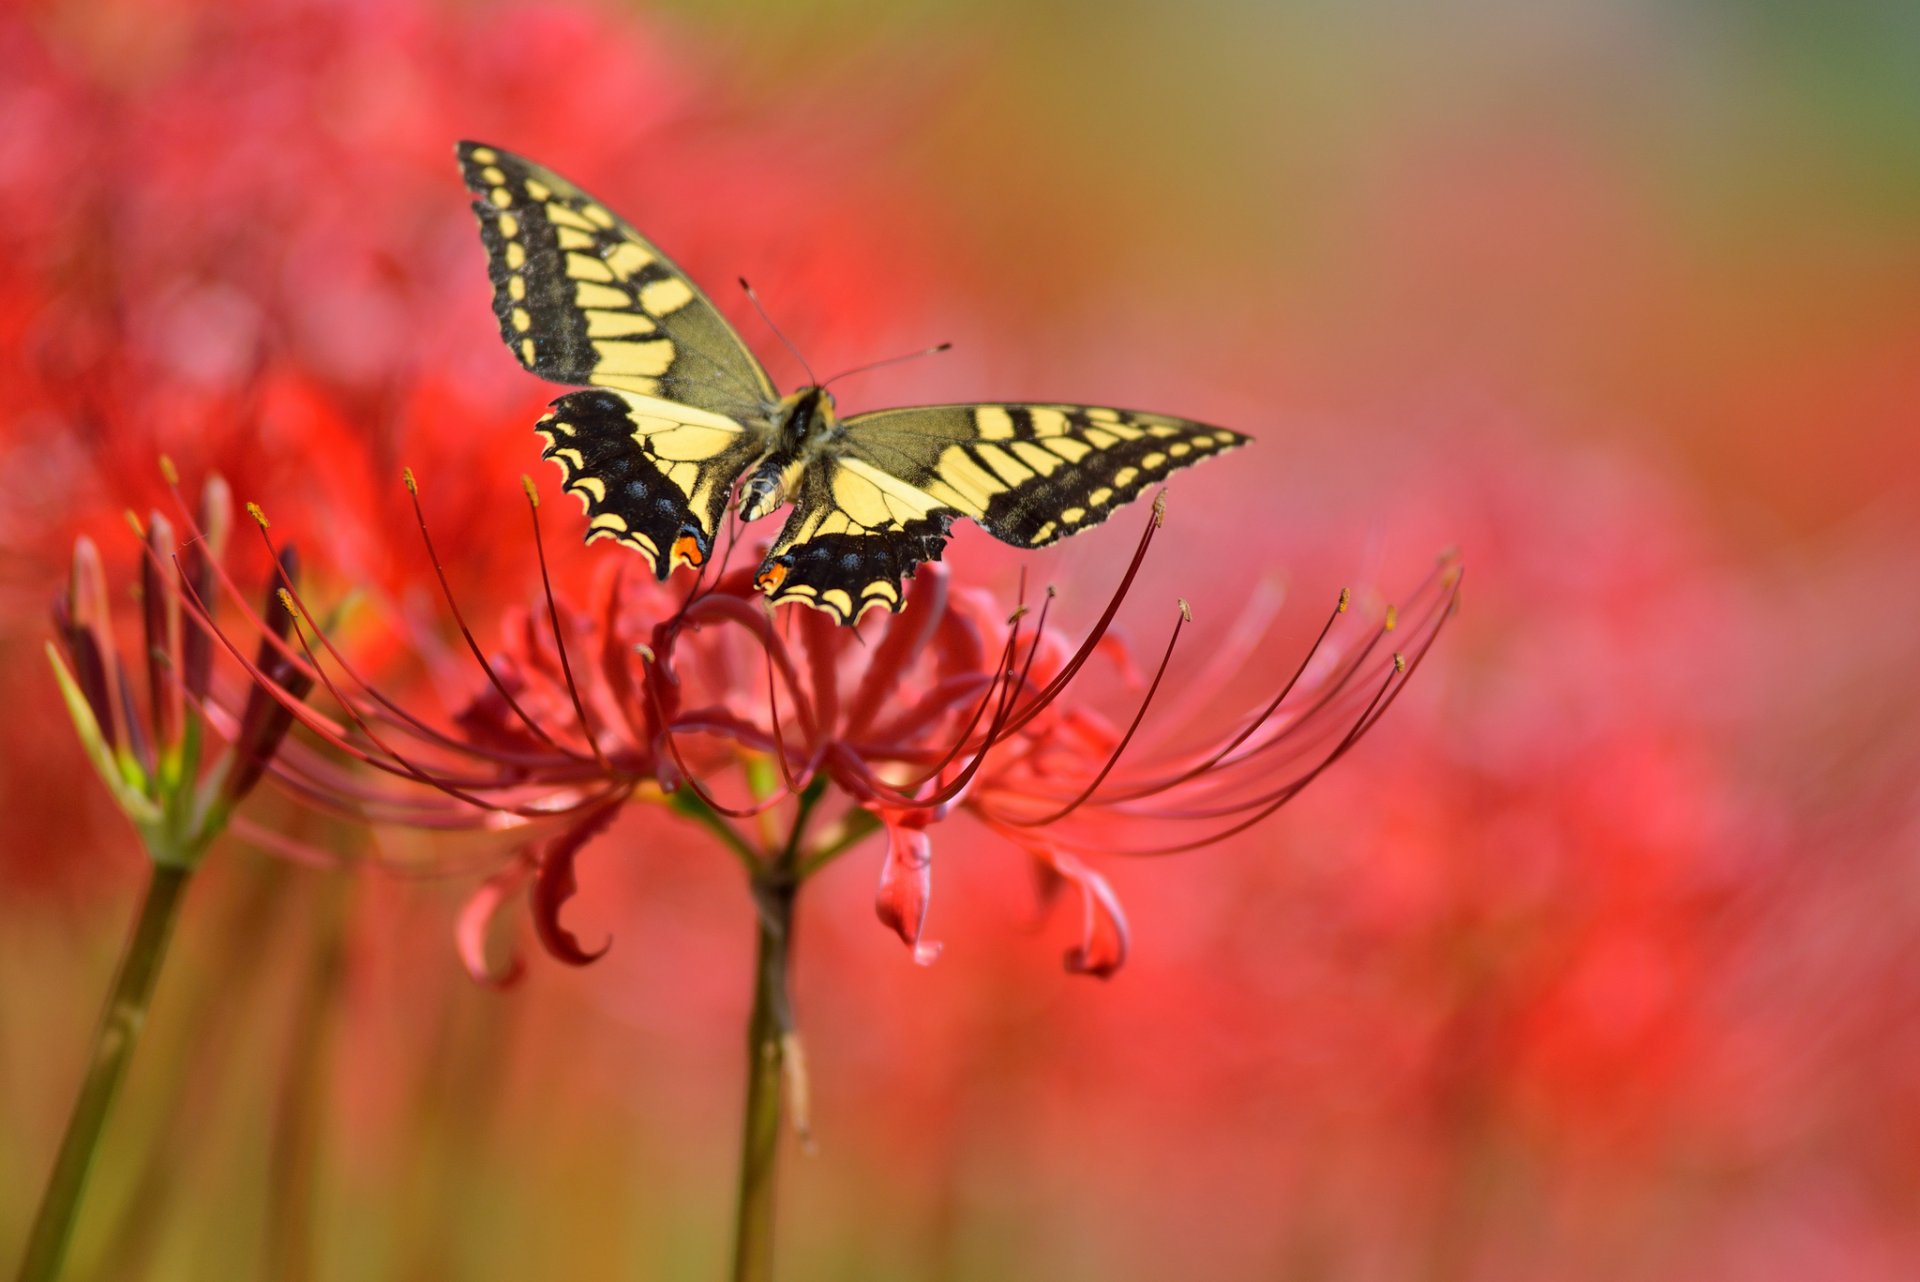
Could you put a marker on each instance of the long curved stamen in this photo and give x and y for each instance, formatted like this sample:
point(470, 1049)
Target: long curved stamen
point(553, 617)
point(1383, 698)
point(996, 729)
point(1336, 691)
point(406, 766)
point(1303, 736)
point(693, 780)
point(1269, 804)
point(331, 732)
point(773, 720)
point(473, 646)
point(394, 712)
point(1113, 758)
point(202, 609)
point(1072, 669)
point(1252, 725)
point(1002, 672)
point(752, 618)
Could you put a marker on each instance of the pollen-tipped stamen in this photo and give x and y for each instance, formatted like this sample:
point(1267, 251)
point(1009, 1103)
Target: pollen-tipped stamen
point(693, 780)
point(387, 708)
point(460, 621)
point(1141, 791)
point(1269, 803)
point(407, 767)
point(1003, 673)
point(280, 687)
point(553, 617)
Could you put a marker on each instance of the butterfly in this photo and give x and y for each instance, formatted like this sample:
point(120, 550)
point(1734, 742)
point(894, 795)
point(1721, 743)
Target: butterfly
point(679, 420)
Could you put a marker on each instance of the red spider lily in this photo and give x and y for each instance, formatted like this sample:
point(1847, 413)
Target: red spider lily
point(940, 714)
point(159, 768)
point(953, 705)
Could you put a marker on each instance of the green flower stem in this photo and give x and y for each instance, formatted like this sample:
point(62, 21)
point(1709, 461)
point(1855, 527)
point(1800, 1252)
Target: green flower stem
point(112, 1049)
point(770, 1041)
point(766, 1060)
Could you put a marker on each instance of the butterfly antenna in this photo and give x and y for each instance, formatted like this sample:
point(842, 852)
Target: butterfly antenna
point(758, 306)
point(935, 350)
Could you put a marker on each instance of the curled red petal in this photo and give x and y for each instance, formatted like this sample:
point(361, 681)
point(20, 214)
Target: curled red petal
point(555, 886)
point(1103, 928)
point(906, 880)
point(476, 923)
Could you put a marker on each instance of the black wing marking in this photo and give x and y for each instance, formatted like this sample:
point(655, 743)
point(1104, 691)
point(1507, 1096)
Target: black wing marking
point(855, 532)
point(653, 475)
point(582, 297)
point(1032, 474)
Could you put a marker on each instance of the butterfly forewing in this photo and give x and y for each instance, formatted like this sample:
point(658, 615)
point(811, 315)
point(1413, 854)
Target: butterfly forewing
point(1032, 474)
point(583, 298)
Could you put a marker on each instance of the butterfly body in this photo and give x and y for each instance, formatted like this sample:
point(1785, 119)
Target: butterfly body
point(803, 431)
point(679, 420)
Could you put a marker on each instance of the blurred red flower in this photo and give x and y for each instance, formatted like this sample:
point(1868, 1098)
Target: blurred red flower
point(237, 238)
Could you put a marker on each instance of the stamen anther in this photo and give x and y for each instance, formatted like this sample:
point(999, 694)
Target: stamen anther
point(253, 510)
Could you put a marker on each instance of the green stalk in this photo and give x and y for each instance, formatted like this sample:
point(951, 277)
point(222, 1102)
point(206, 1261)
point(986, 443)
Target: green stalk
point(113, 1047)
point(766, 1060)
point(770, 1040)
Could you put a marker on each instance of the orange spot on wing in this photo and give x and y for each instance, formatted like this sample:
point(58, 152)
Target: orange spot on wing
point(687, 548)
point(771, 578)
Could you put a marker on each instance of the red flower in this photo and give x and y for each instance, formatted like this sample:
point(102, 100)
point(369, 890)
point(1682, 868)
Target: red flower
point(952, 704)
point(164, 772)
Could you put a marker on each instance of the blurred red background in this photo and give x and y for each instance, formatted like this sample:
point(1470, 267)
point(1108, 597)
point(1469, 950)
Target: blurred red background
point(1597, 961)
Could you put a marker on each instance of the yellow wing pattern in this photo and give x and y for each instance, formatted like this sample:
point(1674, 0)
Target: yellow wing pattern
point(583, 298)
point(854, 532)
point(1029, 474)
point(651, 474)
point(1032, 474)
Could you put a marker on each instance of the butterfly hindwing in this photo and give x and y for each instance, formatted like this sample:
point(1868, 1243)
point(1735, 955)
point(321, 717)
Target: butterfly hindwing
point(1031, 474)
point(855, 531)
point(654, 475)
point(583, 298)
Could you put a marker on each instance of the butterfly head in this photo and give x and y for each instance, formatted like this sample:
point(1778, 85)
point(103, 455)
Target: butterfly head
point(803, 421)
point(804, 416)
